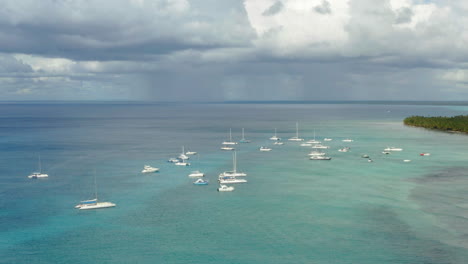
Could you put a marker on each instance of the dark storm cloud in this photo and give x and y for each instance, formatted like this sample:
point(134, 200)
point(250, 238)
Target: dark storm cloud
point(274, 9)
point(324, 8)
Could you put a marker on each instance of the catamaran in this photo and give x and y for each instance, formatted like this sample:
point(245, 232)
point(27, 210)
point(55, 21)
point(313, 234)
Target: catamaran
point(94, 203)
point(38, 174)
point(229, 142)
point(234, 172)
point(243, 140)
point(182, 155)
point(296, 138)
point(275, 138)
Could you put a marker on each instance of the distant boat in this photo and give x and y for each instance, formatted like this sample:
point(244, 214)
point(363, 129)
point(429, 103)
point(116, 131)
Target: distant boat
point(94, 203)
point(149, 169)
point(38, 174)
point(243, 140)
point(233, 172)
point(307, 144)
point(327, 139)
point(225, 188)
point(313, 141)
point(316, 153)
point(365, 156)
point(190, 153)
point(278, 143)
point(173, 160)
point(347, 140)
point(425, 154)
point(385, 152)
point(182, 155)
point(319, 146)
point(345, 149)
point(264, 149)
point(296, 138)
point(406, 160)
point(229, 142)
point(200, 182)
point(231, 180)
point(226, 147)
point(319, 158)
point(182, 163)
point(196, 173)
point(393, 149)
point(275, 138)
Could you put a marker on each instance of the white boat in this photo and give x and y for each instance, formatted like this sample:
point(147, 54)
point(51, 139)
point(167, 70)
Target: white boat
point(327, 139)
point(319, 158)
point(264, 149)
point(182, 155)
point(393, 149)
point(196, 173)
point(316, 153)
point(182, 163)
point(347, 140)
point(225, 188)
point(231, 180)
point(424, 154)
point(406, 160)
point(306, 144)
point(190, 153)
point(275, 138)
point(234, 172)
point(38, 174)
point(243, 140)
point(149, 169)
point(318, 146)
point(345, 149)
point(200, 181)
point(278, 143)
point(314, 141)
point(296, 138)
point(385, 152)
point(225, 147)
point(229, 142)
point(94, 203)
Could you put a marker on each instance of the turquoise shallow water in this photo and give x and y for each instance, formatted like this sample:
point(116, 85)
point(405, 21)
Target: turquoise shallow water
point(292, 210)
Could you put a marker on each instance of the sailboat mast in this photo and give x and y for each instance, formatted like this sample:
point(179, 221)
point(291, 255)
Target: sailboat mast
point(234, 162)
point(95, 185)
point(40, 167)
point(230, 135)
point(243, 134)
point(297, 129)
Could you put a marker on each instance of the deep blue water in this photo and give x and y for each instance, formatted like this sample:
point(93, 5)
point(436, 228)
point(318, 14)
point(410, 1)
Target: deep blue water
point(292, 210)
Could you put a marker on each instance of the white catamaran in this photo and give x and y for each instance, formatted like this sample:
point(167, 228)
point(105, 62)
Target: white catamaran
point(38, 174)
point(94, 203)
point(296, 138)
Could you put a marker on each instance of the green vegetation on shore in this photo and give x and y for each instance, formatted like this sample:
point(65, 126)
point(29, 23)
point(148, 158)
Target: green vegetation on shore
point(456, 123)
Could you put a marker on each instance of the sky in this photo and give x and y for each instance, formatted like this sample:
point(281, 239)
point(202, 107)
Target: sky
point(233, 50)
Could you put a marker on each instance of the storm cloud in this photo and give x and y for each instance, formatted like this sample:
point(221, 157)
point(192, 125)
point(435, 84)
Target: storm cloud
point(208, 50)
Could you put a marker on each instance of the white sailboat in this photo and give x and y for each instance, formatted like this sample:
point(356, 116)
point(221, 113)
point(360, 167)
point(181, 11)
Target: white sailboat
point(234, 172)
point(182, 155)
point(94, 203)
point(275, 137)
point(230, 142)
point(296, 138)
point(314, 141)
point(38, 174)
point(243, 140)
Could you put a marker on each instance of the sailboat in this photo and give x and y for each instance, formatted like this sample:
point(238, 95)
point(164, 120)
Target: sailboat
point(275, 138)
point(182, 155)
point(93, 203)
point(38, 174)
point(234, 172)
point(243, 140)
point(296, 138)
point(314, 141)
point(230, 142)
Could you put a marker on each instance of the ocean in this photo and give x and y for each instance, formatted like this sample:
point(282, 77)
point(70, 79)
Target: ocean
point(292, 210)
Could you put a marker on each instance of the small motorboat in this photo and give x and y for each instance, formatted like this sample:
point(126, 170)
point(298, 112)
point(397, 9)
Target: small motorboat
point(425, 154)
point(265, 148)
point(365, 156)
point(320, 158)
point(196, 174)
point(345, 149)
point(149, 169)
point(225, 188)
point(200, 182)
point(407, 160)
point(278, 143)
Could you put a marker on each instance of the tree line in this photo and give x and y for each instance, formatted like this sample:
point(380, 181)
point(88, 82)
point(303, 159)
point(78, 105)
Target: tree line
point(456, 123)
